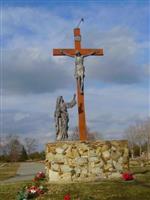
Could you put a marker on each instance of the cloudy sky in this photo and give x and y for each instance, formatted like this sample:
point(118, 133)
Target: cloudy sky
point(116, 84)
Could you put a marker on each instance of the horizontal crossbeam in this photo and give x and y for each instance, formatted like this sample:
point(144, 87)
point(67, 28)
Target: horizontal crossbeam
point(72, 52)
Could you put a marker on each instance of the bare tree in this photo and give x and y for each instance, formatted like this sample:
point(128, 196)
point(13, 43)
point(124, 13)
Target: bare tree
point(30, 145)
point(139, 135)
point(13, 147)
point(146, 130)
point(130, 135)
point(75, 134)
point(1, 146)
point(91, 135)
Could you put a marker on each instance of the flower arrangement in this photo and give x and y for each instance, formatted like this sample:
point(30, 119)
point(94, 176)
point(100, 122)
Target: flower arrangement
point(127, 176)
point(31, 192)
point(34, 190)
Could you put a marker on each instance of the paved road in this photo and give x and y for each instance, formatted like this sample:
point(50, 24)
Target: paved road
point(26, 171)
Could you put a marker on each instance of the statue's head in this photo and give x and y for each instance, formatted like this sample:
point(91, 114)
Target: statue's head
point(59, 100)
point(78, 53)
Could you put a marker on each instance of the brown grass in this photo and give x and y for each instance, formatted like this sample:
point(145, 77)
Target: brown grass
point(8, 170)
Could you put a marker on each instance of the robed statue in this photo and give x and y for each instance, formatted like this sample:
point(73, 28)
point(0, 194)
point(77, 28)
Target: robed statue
point(62, 117)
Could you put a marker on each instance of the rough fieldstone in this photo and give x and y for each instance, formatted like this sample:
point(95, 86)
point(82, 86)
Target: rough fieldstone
point(65, 146)
point(114, 163)
point(84, 154)
point(81, 161)
point(69, 149)
point(70, 154)
point(84, 171)
point(59, 150)
point(58, 157)
point(115, 155)
point(55, 167)
point(71, 162)
point(106, 155)
point(52, 150)
point(91, 153)
point(126, 166)
point(91, 164)
point(101, 164)
point(113, 148)
point(78, 171)
point(120, 160)
point(115, 175)
point(112, 169)
point(84, 147)
point(94, 159)
point(106, 147)
point(108, 167)
point(126, 152)
point(80, 151)
point(125, 160)
point(96, 170)
point(116, 144)
point(109, 162)
point(65, 168)
point(117, 166)
point(49, 156)
point(75, 153)
point(99, 151)
point(66, 177)
point(60, 162)
point(53, 176)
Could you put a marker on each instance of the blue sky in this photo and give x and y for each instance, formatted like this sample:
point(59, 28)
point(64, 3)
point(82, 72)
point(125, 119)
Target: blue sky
point(116, 85)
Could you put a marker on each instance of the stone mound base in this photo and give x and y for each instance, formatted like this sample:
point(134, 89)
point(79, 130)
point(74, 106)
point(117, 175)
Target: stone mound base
point(70, 161)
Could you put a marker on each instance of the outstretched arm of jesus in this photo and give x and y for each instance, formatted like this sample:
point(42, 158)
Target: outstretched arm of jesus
point(93, 53)
point(67, 54)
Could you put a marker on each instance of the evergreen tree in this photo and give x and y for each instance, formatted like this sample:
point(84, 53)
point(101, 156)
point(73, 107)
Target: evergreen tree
point(23, 155)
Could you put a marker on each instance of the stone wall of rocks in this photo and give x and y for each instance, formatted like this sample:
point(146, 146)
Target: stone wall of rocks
point(90, 160)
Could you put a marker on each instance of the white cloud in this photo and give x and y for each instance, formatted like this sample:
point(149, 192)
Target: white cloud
point(108, 110)
point(20, 116)
point(29, 38)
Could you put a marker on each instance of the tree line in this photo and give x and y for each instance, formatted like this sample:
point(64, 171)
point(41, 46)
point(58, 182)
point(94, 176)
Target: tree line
point(138, 136)
point(91, 135)
point(12, 149)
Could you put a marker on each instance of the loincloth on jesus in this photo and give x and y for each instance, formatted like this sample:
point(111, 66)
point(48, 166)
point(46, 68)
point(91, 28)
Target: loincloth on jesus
point(79, 71)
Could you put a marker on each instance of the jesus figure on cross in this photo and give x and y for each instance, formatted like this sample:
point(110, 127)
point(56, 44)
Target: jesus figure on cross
point(79, 67)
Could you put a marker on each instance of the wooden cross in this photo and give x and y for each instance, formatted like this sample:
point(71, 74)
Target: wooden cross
point(80, 96)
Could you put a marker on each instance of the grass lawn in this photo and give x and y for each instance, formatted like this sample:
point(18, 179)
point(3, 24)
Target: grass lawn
point(104, 190)
point(8, 170)
point(139, 189)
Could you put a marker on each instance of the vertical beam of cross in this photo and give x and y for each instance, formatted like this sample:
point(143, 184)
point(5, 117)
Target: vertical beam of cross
point(80, 96)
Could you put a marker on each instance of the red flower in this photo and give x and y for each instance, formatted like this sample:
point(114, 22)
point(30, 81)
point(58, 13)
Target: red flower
point(40, 175)
point(35, 179)
point(35, 191)
point(67, 197)
point(127, 176)
point(39, 191)
point(33, 188)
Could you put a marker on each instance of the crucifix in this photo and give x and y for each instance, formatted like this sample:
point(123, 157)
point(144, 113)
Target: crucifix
point(79, 53)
